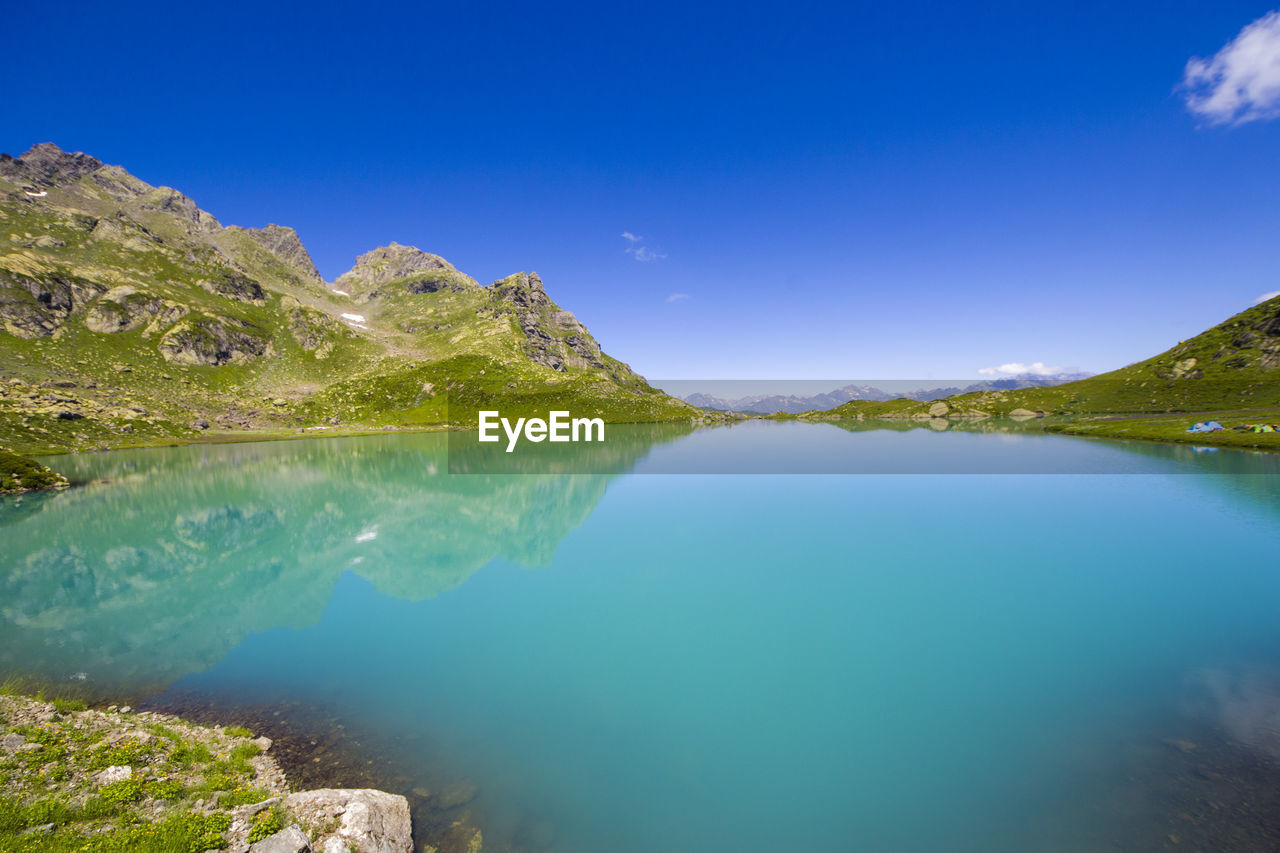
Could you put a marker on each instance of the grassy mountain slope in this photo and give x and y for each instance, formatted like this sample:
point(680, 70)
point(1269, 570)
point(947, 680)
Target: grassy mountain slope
point(128, 314)
point(1232, 369)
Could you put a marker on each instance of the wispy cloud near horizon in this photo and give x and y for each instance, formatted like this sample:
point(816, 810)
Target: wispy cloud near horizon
point(1266, 296)
point(1015, 368)
point(677, 297)
point(1241, 82)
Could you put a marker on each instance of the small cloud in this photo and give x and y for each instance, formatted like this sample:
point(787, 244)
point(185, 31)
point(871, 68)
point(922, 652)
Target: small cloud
point(1241, 82)
point(677, 297)
point(1266, 296)
point(644, 254)
point(1014, 368)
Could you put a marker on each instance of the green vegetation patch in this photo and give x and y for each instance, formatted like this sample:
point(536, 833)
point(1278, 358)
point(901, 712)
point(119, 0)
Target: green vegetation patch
point(79, 779)
point(20, 474)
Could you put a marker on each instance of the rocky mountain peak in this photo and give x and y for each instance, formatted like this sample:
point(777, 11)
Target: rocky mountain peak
point(48, 164)
point(388, 263)
point(524, 289)
point(284, 243)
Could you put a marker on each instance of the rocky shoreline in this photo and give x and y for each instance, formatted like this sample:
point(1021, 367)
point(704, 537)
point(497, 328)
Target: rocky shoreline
point(141, 780)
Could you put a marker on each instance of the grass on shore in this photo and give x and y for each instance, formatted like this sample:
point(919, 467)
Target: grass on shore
point(178, 794)
point(1173, 428)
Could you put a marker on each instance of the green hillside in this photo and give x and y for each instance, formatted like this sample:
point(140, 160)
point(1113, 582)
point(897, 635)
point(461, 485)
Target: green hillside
point(1231, 370)
point(128, 315)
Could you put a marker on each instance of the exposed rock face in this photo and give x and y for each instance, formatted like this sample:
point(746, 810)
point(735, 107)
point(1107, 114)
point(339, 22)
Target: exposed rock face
point(309, 327)
point(235, 286)
point(391, 263)
point(123, 309)
point(122, 229)
point(33, 307)
point(48, 165)
point(169, 200)
point(284, 243)
point(368, 821)
point(210, 341)
point(555, 337)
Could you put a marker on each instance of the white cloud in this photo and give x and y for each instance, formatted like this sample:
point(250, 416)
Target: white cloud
point(1264, 297)
point(1241, 82)
point(641, 253)
point(645, 254)
point(1014, 368)
point(677, 297)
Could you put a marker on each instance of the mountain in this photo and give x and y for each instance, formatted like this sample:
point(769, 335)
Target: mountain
point(128, 315)
point(771, 403)
point(795, 404)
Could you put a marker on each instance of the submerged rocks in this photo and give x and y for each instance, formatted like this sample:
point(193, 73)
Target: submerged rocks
point(368, 821)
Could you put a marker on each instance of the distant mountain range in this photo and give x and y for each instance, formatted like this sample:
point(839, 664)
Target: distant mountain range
point(769, 404)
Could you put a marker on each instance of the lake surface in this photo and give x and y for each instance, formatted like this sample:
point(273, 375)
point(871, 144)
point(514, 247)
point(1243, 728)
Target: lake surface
point(965, 649)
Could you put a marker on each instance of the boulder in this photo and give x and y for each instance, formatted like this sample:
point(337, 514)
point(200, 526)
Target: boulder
point(939, 410)
point(114, 774)
point(291, 839)
point(368, 821)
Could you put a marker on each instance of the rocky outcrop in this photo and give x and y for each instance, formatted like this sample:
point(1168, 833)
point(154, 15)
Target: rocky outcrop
point(235, 286)
point(170, 201)
point(124, 308)
point(363, 820)
point(555, 337)
point(313, 331)
point(284, 244)
point(48, 165)
point(392, 263)
point(35, 306)
point(211, 341)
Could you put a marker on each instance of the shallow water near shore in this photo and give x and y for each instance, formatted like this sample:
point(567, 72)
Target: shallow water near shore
point(982, 660)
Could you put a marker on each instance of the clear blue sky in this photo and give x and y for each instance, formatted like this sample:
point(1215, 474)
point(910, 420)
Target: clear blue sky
point(844, 190)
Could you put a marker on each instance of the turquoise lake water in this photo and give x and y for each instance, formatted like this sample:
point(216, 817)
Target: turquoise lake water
point(983, 660)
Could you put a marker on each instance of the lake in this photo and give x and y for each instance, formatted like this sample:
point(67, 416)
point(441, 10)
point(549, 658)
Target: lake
point(967, 640)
